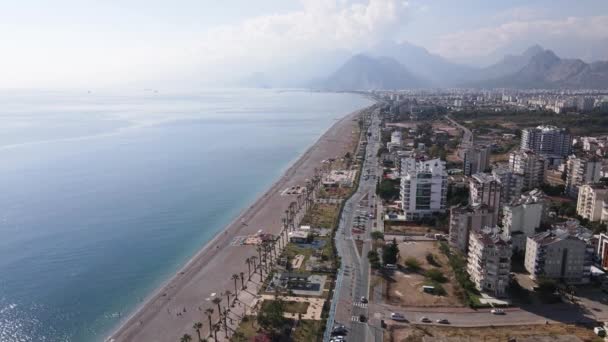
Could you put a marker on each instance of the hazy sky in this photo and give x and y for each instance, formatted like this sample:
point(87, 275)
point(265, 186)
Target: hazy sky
point(119, 42)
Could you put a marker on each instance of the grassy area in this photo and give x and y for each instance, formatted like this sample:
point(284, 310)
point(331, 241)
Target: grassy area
point(291, 306)
point(467, 291)
point(432, 334)
point(307, 331)
point(246, 331)
point(321, 216)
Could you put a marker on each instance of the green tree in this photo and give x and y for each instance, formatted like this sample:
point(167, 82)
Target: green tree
point(374, 259)
point(185, 338)
point(390, 253)
point(388, 190)
point(377, 235)
point(271, 316)
point(435, 275)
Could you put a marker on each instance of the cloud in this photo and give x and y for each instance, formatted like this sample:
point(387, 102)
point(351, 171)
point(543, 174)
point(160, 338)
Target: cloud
point(320, 25)
point(484, 41)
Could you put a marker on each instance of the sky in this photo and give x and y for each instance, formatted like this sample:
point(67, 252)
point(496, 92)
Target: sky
point(91, 43)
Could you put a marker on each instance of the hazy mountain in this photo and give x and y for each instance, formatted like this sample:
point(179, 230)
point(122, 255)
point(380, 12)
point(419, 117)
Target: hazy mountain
point(546, 70)
point(509, 64)
point(362, 72)
point(421, 62)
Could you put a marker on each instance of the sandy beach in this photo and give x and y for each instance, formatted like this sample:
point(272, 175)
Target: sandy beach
point(209, 271)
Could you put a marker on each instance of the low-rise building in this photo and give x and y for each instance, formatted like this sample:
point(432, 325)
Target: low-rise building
point(298, 236)
point(522, 217)
point(464, 220)
point(489, 261)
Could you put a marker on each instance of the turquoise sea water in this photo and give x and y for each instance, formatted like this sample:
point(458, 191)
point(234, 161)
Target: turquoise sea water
point(104, 196)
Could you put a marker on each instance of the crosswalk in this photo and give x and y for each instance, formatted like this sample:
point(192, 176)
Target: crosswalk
point(360, 305)
point(355, 318)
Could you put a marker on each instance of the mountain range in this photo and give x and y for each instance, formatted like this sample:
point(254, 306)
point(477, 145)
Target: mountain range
point(397, 66)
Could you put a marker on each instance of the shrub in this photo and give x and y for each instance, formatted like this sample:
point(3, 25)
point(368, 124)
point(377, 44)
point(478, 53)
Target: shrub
point(412, 264)
point(430, 258)
point(436, 276)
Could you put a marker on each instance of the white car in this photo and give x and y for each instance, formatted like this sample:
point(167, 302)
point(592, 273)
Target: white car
point(497, 311)
point(395, 316)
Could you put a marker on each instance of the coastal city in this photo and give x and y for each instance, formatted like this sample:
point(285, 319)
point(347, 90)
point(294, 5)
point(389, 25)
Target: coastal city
point(428, 225)
point(304, 171)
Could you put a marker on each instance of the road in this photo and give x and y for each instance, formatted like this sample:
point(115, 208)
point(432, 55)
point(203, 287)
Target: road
point(467, 136)
point(355, 270)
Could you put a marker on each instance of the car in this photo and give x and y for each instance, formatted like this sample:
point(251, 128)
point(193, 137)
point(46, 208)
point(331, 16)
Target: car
point(362, 318)
point(443, 321)
point(363, 300)
point(497, 311)
point(425, 320)
point(339, 330)
point(395, 316)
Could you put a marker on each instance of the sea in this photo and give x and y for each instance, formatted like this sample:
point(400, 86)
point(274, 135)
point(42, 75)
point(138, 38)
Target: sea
point(105, 194)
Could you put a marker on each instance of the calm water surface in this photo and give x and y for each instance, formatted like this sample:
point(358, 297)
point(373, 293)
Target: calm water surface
point(104, 196)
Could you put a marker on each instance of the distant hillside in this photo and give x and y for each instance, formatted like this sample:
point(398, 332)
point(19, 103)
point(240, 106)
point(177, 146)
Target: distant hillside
point(362, 72)
point(508, 65)
point(547, 70)
point(422, 63)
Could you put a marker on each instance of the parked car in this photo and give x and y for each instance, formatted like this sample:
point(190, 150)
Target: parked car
point(443, 321)
point(497, 311)
point(362, 318)
point(395, 316)
point(339, 330)
point(363, 300)
point(425, 320)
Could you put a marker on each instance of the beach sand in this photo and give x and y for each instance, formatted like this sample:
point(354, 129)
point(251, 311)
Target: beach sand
point(210, 270)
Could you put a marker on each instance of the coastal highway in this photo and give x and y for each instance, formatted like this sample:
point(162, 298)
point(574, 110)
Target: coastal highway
point(355, 270)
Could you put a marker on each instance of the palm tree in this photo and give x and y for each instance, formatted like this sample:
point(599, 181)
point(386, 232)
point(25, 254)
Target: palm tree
point(235, 277)
point(248, 262)
point(242, 276)
point(217, 301)
point(185, 338)
point(253, 260)
point(209, 312)
point(216, 328)
point(228, 294)
point(198, 326)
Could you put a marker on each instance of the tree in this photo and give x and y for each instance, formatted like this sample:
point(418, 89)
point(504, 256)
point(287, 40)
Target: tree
point(387, 189)
point(209, 313)
point(235, 277)
point(217, 301)
point(377, 235)
point(374, 259)
point(185, 338)
point(271, 316)
point(435, 275)
point(198, 326)
point(390, 253)
point(310, 238)
point(242, 276)
point(248, 262)
point(228, 294)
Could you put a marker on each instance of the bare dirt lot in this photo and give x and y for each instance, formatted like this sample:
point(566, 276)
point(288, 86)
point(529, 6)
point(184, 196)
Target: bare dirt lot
point(527, 333)
point(405, 286)
point(407, 228)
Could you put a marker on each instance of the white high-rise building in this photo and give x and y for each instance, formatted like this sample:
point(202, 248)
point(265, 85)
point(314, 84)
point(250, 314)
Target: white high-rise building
point(522, 217)
point(486, 189)
point(546, 140)
point(476, 159)
point(512, 183)
point(591, 201)
point(582, 170)
point(424, 187)
point(489, 261)
point(530, 165)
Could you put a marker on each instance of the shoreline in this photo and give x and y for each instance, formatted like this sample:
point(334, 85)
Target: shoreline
point(187, 285)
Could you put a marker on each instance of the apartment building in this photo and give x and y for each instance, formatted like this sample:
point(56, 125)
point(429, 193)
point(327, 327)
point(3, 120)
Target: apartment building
point(559, 254)
point(546, 140)
point(582, 170)
point(512, 183)
point(522, 217)
point(486, 189)
point(464, 220)
point(591, 201)
point(424, 187)
point(489, 261)
point(476, 159)
point(530, 165)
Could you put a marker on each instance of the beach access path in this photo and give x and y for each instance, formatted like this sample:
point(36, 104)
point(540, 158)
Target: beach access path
point(210, 270)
